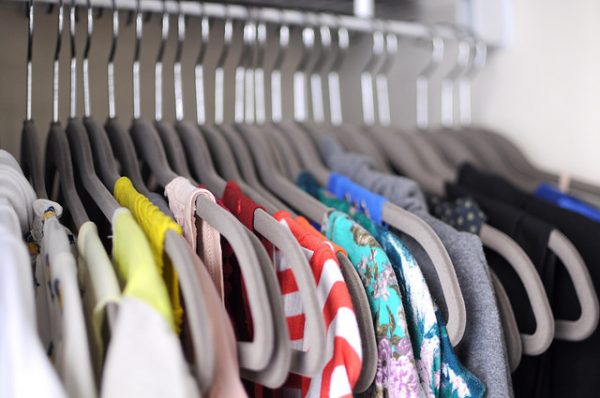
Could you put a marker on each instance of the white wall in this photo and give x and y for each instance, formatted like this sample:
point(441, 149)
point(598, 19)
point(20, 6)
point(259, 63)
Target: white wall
point(544, 90)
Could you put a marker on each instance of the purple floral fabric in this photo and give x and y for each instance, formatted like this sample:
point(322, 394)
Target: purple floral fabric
point(397, 374)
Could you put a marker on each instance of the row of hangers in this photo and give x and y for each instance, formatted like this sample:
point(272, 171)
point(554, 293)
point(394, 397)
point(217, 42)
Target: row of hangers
point(87, 153)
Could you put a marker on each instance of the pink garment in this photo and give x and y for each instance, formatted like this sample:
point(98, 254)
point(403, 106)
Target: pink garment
point(182, 197)
point(226, 379)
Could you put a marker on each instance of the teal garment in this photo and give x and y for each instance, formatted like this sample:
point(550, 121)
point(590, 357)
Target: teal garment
point(397, 374)
point(456, 380)
point(440, 372)
point(431, 344)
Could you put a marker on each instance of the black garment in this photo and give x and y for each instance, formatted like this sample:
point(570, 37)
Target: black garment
point(574, 368)
point(531, 377)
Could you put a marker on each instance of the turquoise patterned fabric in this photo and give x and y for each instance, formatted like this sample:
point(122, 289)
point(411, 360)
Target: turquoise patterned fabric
point(440, 372)
point(396, 368)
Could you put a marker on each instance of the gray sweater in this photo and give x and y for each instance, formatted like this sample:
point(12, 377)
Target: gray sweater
point(482, 349)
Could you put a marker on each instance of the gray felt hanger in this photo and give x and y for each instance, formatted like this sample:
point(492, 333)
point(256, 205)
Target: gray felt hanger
point(539, 341)
point(407, 223)
point(58, 154)
point(558, 243)
point(302, 362)
point(168, 135)
point(30, 149)
point(78, 139)
point(119, 138)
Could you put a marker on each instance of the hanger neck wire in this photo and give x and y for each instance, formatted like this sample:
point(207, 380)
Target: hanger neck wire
point(87, 111)
point(240, 73)
point(56, 64)
point(73, 69)
point(333, 78)
point(276, 94)
point(111, 63)
point(29, 71)
point(177, 73)
point(136, 63)
point(220, 72)
point(158, 68)
point(259, 73)
point(199, 72)
point(422, 82)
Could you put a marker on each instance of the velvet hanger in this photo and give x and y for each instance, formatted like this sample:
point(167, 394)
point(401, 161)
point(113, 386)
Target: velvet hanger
point(183, 264)
point(113, 133)
point(367, 332)
point(558, 243)
point(402, 220)
point(30, 150)
point(306, 363)
point(225, 149)
point(228, 131)
point(78, 140)
point(253, 355)
point(58, 154)
point(168, 135)
point(539, 341)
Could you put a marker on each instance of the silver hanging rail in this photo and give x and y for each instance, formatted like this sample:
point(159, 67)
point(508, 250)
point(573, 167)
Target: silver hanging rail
point(268, 15)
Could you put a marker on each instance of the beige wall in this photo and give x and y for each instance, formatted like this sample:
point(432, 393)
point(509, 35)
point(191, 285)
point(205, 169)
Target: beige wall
point(544, 90)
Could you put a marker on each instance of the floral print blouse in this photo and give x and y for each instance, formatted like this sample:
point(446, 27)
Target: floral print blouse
point(396, 368)
point(440, 371)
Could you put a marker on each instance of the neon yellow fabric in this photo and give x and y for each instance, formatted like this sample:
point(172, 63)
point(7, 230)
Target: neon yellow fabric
point(136, 267)
point(155, 225)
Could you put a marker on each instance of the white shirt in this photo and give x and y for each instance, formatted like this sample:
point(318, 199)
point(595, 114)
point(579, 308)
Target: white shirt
point(60, 310)
point(25, 370)
point(144, 357)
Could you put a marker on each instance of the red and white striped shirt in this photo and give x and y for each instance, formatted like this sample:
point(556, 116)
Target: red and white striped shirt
point(343, 346)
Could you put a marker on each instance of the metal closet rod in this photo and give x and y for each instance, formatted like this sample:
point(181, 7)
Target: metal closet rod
point(270, 15)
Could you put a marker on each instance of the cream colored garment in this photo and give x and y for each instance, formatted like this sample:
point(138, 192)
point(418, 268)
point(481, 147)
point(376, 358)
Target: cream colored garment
point(25, 370)
point(226, 379)
point(16, 189)
point(98, 281)
point(182, 197)
point(144, 358)
point(56, 274)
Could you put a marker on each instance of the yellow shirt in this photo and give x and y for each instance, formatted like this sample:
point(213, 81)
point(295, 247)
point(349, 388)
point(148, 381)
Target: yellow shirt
point(155, 225)
point(136, 267)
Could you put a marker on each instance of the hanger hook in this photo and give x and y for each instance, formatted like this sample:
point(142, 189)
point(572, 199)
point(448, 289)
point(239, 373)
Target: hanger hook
point(315, 68)
point(29, 71)
point(259, 72)
point(73, 69)
point(422, 83)
point(137, 106)
point(251, 59)
point(341, 46)
point(478, 49)
point(199, 70)
point(242, 68)
point(56, 63)
point(308, 42)
point(461, 65)
point(111, 61)
point(390, 50)
point(220, 71)
point(283, 41)
point(177, 71)
point(366, 76)
point(86, 64)
point(158, 66)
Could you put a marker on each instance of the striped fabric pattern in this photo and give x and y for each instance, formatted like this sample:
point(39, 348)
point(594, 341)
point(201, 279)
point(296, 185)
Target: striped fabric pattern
point(344, 352)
